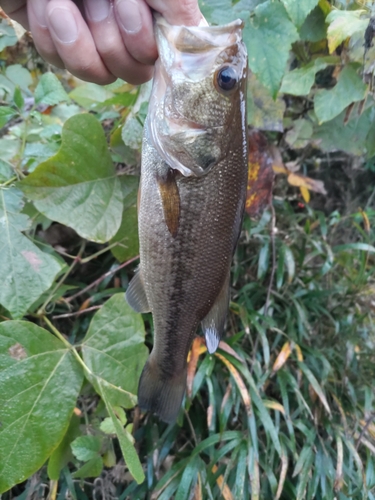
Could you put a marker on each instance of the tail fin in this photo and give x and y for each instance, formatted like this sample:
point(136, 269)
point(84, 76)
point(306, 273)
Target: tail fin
point(159, 394)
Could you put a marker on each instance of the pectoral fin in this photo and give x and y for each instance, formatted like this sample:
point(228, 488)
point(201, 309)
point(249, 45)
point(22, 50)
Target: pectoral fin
point(170, 198)
point(136, 294)
point(213, 324)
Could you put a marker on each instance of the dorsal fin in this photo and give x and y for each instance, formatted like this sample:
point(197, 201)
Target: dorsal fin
point(170, 198)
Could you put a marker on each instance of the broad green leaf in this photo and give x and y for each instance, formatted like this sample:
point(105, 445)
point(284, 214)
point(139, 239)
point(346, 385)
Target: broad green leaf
point(336, 135)
point(314, 28)
point(62, 454)
point(6, 170)
point(125, 439)
point(225, 11)
point(343, 24)
point(300, 81)
point(49, 90)
point(78, 187)
point(38, 391)
point(93, 468)
point(132, 131)
point(6, 114)
point(18, 99)
point(86, 447)
point(263, 112)
point(127, 236)
point(269, 37)
point(299, 9)
point(300, 135)
point(114, 350)
point(15, 76)
point(8, 36)
point(349, 88)
point(25, 271)
point(89, 94)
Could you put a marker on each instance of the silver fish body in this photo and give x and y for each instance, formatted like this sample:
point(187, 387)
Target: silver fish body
point(192, 195)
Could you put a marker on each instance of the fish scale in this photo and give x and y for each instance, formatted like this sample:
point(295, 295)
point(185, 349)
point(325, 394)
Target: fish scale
point(192, 195)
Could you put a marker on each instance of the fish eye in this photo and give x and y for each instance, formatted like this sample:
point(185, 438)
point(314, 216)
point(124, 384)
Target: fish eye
point(226, 78)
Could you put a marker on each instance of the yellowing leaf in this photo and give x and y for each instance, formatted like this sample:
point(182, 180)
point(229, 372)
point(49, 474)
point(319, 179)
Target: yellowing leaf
point(282, 357)
point(239, 382)
point(274, 405)
point(224, 488)
point(299, 180)
point(298, 352)
point(305, 193)
point(366, 220)
point(197, 349)
point(343, 24)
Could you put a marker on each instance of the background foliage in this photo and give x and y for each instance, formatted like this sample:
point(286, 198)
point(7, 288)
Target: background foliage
point(285, 408)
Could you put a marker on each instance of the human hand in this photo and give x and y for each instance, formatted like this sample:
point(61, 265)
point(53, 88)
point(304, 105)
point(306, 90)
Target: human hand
point(99, 40)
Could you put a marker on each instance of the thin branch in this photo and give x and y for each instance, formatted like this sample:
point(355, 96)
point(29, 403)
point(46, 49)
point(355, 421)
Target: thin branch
point(99, 280)
point(77, 313)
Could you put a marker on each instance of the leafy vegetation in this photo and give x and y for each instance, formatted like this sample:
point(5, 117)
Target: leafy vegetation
point(285, 408)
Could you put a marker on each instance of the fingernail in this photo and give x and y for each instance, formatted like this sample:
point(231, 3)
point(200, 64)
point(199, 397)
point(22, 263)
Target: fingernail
point(39, 9)
point(129, 15)
point(63, 24)
point(97, 10)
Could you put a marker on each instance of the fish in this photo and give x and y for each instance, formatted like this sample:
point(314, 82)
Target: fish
point(191, 199)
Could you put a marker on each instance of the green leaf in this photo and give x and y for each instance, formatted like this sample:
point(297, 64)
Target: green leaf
point(349, 88)
point(300, 81)
point(114, 350)
point(314, 28)
point(6, 114)
point(19, 76)
point(93, 468)
point(132, 131)
point(365, 247)
point(190, 473)
point(344, 24)
point(225, 11)
point(125, 439)
point(25, 271)
point(18, 98)
point(264, 257)
point(315, 385)
point(50, 91)
point(127, 236)
point(263, 112)
point(40, 380)
point(78, 187)
point(62, 454)
point(86, 447)
point(6, 170)
point(289, 263)
point(299, 9)
point(300, 135)
point(89, 94)
point(8, 36)
point(336, 135)
point(269, 37)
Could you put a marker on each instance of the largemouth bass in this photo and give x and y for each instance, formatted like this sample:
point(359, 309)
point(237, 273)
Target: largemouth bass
point(191, 202)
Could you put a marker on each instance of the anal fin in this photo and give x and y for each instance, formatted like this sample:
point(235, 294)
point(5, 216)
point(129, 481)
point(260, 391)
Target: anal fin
point(213, 324)
point(136, 295)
